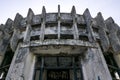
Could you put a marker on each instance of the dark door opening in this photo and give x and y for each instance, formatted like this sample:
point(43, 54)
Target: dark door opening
point(58, 68)
point(58, 74)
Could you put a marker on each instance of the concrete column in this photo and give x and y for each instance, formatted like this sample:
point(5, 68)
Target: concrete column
point(94, 66)
point(59, 17)
point(17, 67)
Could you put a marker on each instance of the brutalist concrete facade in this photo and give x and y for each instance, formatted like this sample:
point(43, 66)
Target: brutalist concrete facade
point(60, 34)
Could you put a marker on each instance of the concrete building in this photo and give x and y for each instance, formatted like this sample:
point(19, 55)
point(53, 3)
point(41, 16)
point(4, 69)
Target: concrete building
point(59, 46)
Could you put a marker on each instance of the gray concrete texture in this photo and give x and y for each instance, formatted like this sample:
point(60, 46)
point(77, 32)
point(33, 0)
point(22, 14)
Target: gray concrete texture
point(56, 33)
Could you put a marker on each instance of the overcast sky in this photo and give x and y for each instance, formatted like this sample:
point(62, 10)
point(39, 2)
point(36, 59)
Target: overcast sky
point(9, 8)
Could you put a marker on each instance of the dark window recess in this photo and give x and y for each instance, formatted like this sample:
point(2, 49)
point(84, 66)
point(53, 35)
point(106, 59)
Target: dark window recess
point(6, 63)
point(112, 65)
point(95, 29)
point(66, 36)
point(34, 38)
point(42, 19)
point(69, 25)
point(36, 27)
point(20, 40)
point(98, 40)
point(83, 38)
point(107, 33)
point(51, 24)
point(81, 26)
point(22, 29)
point(51, 36)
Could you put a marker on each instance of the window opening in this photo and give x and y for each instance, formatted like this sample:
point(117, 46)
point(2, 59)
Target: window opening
point(81, 26)
point(32, 38)
point(51, 36)
point(66, 36)
point(21, 40)
point(68, 25)
point(95, 29)
point(36, 27)
point(83, 38)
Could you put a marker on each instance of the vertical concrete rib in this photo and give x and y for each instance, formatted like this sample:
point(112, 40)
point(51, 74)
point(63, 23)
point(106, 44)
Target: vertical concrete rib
point(28, 26)
point(59, 22)
point(16, 32)
point(43, 20)
point(103, 36)
point(88, 20)
point(74, 16)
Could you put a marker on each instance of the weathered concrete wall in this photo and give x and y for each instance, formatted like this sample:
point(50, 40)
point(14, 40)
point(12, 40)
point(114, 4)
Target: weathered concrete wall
point(28, 72)
point(28, 35)
point(113, 37)
point(5, 36)
point(18, 64)
point(94, 65)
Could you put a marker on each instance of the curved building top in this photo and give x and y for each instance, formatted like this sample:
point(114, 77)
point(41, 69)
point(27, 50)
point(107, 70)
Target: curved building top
point(58, 28)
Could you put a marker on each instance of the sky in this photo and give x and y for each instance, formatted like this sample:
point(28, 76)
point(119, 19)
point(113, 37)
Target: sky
point(108, 8)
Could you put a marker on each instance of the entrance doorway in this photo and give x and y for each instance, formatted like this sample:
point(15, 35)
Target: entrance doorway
point(58, 68)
